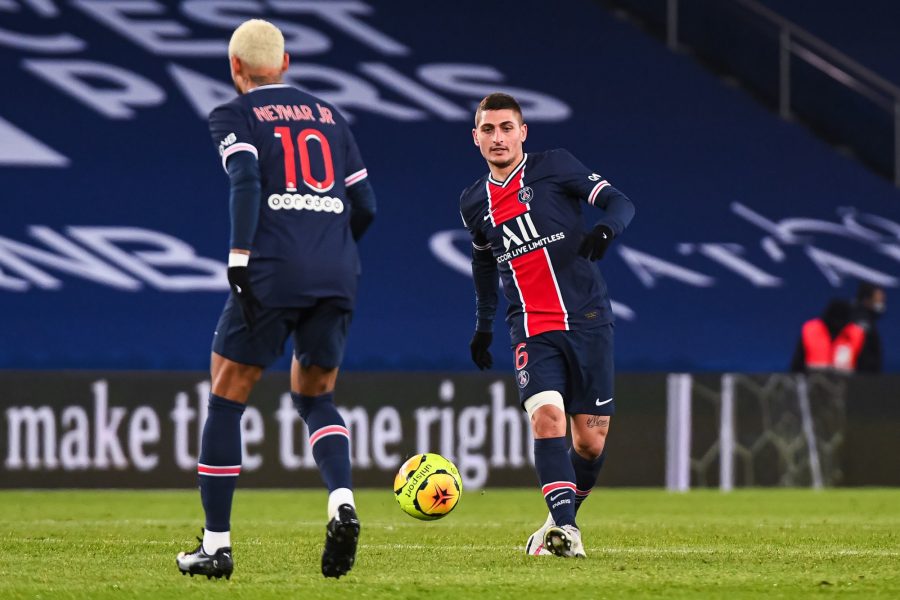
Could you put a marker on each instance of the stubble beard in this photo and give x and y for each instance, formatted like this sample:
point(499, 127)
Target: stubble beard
point(501, 164)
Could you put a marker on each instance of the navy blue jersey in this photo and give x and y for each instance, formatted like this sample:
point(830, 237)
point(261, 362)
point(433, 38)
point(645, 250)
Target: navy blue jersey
point(303, 249)
point(533, 225)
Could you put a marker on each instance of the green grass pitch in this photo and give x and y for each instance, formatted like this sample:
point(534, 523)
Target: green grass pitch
point(640, 543)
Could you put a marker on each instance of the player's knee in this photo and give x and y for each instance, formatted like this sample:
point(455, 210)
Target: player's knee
point(247, 375)
point(543, 426)
point(547, 413)
point(233, 380)
point(307, 405)
point(315, 388)
point(590, 449)
point(316, 381)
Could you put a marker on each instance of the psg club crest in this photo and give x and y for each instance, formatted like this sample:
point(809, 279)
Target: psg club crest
point(525, 195)
point(523, 378)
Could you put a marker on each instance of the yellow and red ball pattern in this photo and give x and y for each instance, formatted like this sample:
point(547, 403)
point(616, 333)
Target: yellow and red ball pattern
point(428, 486)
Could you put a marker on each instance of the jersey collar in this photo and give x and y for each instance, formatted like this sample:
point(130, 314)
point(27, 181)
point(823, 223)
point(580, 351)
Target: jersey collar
point(269, 86)
point(509, 177)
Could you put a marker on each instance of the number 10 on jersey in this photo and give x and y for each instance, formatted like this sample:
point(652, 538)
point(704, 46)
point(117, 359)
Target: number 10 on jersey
point(290, 166)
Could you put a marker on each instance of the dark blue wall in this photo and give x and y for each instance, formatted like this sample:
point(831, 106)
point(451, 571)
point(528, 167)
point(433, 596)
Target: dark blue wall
point(685, 147)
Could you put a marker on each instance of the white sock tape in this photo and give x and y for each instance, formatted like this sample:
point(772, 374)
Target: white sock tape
point(544, 399)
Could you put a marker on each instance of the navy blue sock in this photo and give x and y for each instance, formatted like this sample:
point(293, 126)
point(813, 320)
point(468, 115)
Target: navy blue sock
point(557, 477)
point(586, 472)
point(328, 438)
point(220, 461)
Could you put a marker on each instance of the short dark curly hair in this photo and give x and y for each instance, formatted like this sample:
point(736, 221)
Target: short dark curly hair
point(498, 101)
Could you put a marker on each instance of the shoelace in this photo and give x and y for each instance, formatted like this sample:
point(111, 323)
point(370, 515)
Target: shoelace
point(199, 548)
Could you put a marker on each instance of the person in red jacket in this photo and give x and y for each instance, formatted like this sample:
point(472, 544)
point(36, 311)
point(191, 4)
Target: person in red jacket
point(845, 338)
point(815, 348)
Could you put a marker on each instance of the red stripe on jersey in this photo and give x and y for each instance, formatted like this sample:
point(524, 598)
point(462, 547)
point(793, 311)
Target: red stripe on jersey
point(593, 195)
point(503, 198)
point(504, 202)
point(541, 300)
point(239, 147)
point(355, 177)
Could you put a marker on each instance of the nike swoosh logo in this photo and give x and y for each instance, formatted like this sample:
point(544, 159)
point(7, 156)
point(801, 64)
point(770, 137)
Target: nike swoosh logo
point(487, 216)
point(598, 403)
point(604, 236)
point(553, 498)
point(237, 288)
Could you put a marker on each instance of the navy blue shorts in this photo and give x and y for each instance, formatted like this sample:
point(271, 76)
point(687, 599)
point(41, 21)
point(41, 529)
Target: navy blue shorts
point(577, 364)
point(319, 331)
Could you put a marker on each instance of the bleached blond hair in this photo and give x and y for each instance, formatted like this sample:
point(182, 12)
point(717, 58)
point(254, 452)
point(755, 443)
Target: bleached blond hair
point(258, 44)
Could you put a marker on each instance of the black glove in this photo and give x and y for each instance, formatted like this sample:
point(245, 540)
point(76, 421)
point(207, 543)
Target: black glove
point(595, 242)
point(239, 280)
point(480, 347)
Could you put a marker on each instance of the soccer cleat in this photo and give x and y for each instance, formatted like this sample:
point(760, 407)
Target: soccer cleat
point(199, 562)
point(564, 541)
point(341, 538)
point(535, 544)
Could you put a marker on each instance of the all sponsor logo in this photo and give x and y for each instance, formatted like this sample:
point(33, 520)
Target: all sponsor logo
point(520, 236)
point(526, 232)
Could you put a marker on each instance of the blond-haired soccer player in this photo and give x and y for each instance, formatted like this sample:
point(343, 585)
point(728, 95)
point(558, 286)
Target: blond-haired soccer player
point(300, 200)
point(525, 217)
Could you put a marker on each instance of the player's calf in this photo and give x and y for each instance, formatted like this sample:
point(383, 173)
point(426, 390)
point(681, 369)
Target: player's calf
point(586, 473)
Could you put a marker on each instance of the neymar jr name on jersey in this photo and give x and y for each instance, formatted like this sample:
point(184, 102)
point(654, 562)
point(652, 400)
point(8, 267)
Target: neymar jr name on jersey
point(293, 112)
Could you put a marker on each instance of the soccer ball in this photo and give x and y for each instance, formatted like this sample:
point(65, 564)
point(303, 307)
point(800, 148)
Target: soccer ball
point(428, 486)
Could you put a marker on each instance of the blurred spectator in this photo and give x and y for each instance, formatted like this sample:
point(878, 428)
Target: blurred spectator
point(845, 338)
point(861, 350)
point(815, 349)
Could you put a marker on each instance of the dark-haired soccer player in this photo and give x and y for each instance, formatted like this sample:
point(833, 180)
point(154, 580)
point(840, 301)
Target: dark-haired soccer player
point(526, 221)
point(300, 200)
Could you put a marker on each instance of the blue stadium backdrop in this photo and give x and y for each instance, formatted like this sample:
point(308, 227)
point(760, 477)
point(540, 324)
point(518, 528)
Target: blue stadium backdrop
point(114, 215)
